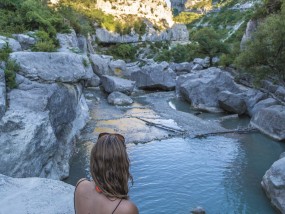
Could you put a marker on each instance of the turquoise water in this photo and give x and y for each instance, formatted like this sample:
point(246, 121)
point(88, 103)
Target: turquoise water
point(222, 173)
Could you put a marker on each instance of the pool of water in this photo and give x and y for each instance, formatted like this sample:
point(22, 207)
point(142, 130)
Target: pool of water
point(222, 173)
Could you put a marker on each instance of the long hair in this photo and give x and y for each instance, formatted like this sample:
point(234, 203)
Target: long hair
point(109, 166)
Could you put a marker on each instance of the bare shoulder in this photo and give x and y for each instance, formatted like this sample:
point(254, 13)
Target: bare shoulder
point(82, 185)
point(128, 207)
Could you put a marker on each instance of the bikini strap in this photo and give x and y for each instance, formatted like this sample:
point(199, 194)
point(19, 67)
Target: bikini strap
point(117, 205)
point(82, 179)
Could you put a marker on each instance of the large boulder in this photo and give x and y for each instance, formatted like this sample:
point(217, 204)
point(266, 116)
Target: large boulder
point(271, 121)
point(68, 42)
point(100, 64)
point(2, 93)
point(182, 68)
point(118, 67)
point(273, 183)
point(39, 128)
point(12, 43)
point(25, 40)
point(264, 104)
point(155, 76)
point(53, 67)
point(111, 84)
point(251, 98)
point(35, 195)
point(202, 88)
point(118, 98)
point(233, 103)
point(280, 93)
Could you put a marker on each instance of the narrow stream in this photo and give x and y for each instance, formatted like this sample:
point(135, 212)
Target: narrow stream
point(222, 173)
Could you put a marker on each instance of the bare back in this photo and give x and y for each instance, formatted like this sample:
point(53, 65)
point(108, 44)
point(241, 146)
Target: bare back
point(89, 201)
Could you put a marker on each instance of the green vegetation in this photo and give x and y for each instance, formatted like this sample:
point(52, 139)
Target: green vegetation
point(123, 51)
point(10, 73)
point(186, 17)
point(265, 55)
point(4, 53)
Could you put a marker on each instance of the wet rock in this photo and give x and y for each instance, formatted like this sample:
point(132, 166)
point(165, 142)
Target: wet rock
point(271, 121)
point(202, 88)
point(35, 195)
point(38, 129)
point(68, 42)
point(155, 76)
point(12, 43)
point(111, 84)
point(2, 93)
point(198, 210)
point(264, 104)
point(100, 64)
point(53, 67)
point(26, 41)
point(273, 183)
point(233, 103)
point(118, 98)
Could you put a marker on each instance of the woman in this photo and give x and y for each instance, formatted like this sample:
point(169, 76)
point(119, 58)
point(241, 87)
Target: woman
point(109, 167)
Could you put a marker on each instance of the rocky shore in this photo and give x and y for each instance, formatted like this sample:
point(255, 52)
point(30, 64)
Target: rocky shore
point(41, 118)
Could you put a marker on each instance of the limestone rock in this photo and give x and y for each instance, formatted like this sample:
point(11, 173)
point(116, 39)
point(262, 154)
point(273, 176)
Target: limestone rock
point(273, 183)
point(205, 63)
point(118, 98)
point(35, 195)
point(2, 93)
point(155, 76)
point(68, 42)
point(131, 68)
point(100, 64)
point(53, 67)
point(202, 88)
point(233, 103)
point(271, 121)
point(280, 93)
point(26, 41)
point(118, 67)
point(251, 98)
point(12, 43)
point(38, 129)
point(250, 29)
point(111, 84)
point(184, 67)
point(264, 104)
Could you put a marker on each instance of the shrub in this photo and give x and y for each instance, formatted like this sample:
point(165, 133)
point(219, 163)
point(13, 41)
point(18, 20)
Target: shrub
point(10, 73)
point(44, 42)
point(4, 53)
point(123, 51)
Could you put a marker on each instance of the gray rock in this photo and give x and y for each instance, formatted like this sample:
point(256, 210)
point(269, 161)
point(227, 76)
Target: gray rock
point(269, 86)
point(198, 210)
point(13, 44)
point(93, 81)
point(26, 41)
point(233, 103)
point(282, 155)
point(131, 68)
point(202, 88)
point(273, 183)
point(82, 44)
point(271, 121)
point(3, 44)
point(205, 63)
point(197, 67)
point(251, 98)
point(53, 67)
point(184, 67)
point(35, 195)
point(264, 104)
point(100, 64)
point(111, 84)
point(2, 93)
point(38, 129)
point(250, 29)
point(118, 67)
point(118, 98)
point(280, 93)
point(68, 42)
point(155, 76)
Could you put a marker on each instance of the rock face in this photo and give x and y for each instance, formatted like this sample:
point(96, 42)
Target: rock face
point(38, 128)
point(100, 64)
point(35, 195)
point(156, 11)
point(26, 41)
point(273, 183)
point(178, 32)
point(12, 43)
point(271, 121)
point(2, 93)
point(53, 67)
point(111, 84)
point(68, 42)
point(155, 76)
point(118, 98)
point(202, 88)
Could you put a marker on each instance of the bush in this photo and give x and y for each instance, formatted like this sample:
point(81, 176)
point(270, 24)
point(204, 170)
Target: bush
point(4, 53)
point(44, 42)
point(123, 51)
point(10, 73)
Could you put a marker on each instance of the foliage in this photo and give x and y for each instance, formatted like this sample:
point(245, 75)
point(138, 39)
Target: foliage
point(4, 53)
point(44, 42)
point(10, 73)
point(265, 54)
point(209, 43)
point(123, 51)
point(186, 17)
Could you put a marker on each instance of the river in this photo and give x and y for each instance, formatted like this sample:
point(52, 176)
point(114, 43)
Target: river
point(175, 174)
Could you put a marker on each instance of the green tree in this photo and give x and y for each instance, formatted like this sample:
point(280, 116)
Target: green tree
point(265, 54)
point(209, 43)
